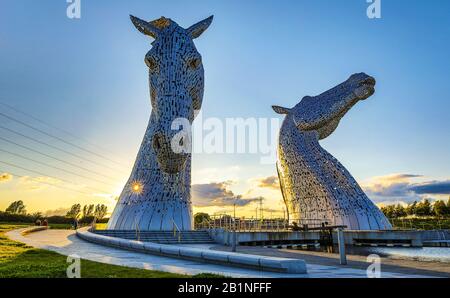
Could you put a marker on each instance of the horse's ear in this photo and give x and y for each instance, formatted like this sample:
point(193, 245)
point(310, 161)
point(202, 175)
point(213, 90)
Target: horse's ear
point(145, 27)
point(197, 29)
point(281, 110)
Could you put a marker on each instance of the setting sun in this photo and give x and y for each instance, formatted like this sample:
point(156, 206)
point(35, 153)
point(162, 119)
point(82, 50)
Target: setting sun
point(137, 187)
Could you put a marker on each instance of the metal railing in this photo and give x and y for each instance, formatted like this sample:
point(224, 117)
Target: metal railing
point(138, 231)
point(94, 224)
point(242, 224)
point(176, 230)
point(418, 223)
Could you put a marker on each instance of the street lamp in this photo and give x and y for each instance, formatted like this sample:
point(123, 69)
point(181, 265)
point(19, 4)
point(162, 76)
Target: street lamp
point(233, 245)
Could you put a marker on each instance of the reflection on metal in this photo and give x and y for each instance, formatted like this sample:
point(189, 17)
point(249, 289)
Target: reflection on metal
point(314, 184)
point(157, 193)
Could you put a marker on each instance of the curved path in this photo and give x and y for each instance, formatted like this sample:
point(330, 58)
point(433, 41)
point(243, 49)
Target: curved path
point(66, 242)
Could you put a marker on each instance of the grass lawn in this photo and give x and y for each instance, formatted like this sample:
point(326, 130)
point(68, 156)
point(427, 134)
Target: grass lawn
point(19, 260)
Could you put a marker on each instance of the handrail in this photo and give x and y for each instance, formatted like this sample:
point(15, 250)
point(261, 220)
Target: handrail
point(94, 224)
point(175, 229)
point(250, 224)
point(138, 232)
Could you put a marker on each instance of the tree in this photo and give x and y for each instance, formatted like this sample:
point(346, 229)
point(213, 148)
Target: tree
point(411, 208)
point(100, 211)
point(201, 217)
point(440, 209)
point(74, 211)
point(423, 208)
point(88, 210)
point(37, 215)
point(16, 207)
point(389, 211)
point(399, 211)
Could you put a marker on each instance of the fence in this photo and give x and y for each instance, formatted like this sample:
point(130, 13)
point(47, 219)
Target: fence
point(230, 223)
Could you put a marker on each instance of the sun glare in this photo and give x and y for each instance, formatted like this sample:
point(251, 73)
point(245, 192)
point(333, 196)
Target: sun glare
point(136, 187)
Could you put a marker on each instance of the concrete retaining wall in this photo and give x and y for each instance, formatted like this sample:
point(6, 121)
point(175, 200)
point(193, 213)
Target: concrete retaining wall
point(435, 235)
point(413, 238)
point(203, 255)
point(30, 230)
point(226, 237)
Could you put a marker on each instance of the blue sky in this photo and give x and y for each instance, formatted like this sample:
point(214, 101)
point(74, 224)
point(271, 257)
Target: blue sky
point(87, 76)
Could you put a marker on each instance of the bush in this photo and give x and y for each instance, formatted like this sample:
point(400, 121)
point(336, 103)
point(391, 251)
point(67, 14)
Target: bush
point(86, 220)
point(11, 217)
point(103, 220)
point(57, 219)
point(201, 218)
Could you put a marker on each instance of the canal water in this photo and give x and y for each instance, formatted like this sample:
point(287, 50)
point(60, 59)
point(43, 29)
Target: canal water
point(439, 254)
point(436, 254)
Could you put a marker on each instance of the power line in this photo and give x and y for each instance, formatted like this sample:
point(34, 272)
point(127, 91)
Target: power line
point(55, 158)
point(54, 147)
point(46, 183)
point(55, 127)
point(50, 166)
point(57, 138)
point(43, 174)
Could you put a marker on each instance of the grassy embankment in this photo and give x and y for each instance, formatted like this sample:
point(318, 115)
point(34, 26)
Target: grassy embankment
point(19, 260)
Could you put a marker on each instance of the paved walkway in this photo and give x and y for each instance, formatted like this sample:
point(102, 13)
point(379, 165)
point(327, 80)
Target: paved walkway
point(66, 242)
point(390, 264)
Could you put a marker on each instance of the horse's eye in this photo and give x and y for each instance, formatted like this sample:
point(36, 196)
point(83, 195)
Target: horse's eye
point(151, 63)
point(194, 63)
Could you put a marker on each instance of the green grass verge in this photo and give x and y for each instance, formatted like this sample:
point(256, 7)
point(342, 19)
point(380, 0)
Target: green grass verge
point(17, 260)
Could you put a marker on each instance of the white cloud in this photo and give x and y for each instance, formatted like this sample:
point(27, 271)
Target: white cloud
point(218, 194)
point(404, 188)
point(207, 175)
point(271, 182)
point(38, 183)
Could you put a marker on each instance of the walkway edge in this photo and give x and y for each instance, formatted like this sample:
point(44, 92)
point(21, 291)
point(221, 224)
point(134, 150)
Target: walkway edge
point(284, 265)
point(30, 230)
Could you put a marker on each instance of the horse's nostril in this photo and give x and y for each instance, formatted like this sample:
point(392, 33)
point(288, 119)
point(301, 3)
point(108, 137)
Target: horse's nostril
point(181, 142)
point(369, 81)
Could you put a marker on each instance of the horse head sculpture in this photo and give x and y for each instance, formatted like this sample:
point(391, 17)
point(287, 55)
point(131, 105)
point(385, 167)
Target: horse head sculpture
point(157, 195)
point(322, 113)
point(176, 79)
point(314, 184)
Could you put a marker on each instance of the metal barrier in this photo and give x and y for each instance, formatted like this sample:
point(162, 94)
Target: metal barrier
point(138, 232)
point(230, 223)
point(420, 223)
point(175, 230)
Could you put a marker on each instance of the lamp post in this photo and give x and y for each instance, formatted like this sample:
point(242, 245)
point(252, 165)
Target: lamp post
point(341, 244)
point(233, 245)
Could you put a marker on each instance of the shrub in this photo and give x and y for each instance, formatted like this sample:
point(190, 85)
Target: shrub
point(57, 219)
point(12, 217)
